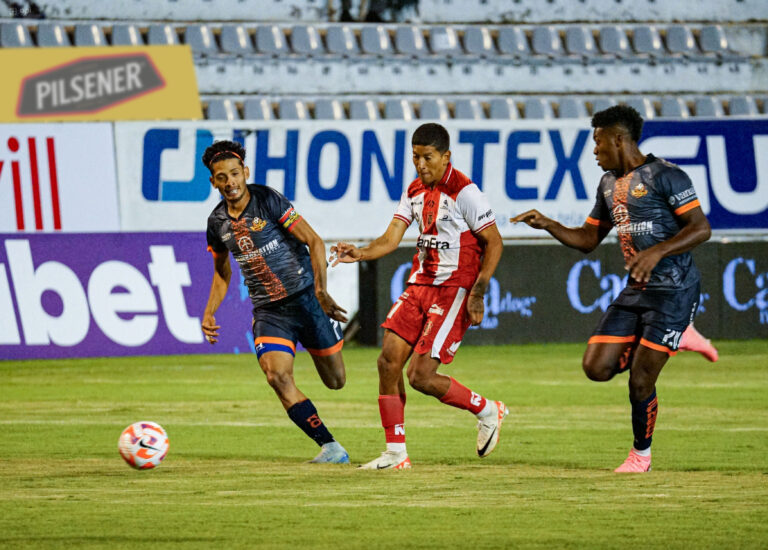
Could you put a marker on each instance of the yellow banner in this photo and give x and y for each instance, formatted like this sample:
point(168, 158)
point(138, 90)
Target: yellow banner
point(104, 83)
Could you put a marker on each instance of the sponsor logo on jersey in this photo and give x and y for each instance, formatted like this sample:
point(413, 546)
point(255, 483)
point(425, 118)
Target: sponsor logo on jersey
point(258, 224)
point(679, 197)
point(608, 192)
point(485, 215)
point(432, 242)
point(639, 191)
point(226, 236)
point(636, 228)
point(245, 243)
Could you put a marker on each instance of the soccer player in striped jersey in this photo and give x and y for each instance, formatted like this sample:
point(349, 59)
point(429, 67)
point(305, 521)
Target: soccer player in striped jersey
point(282, 261)
point(458, 249)
point(658, 219)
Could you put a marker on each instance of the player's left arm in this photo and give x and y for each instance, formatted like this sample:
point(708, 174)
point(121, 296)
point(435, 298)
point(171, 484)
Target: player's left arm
point(695, 230)
point(491, 238)
point(304, 233)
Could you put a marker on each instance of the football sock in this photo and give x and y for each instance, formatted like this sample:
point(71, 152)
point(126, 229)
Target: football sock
point(392, 412)
point(488, 410)
point(304, 415)
point(644, 452)
point(644, 421)
point(462, 397)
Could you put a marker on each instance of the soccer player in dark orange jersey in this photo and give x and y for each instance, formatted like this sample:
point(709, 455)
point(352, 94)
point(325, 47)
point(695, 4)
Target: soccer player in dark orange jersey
point(653, 206)
point(283, 264)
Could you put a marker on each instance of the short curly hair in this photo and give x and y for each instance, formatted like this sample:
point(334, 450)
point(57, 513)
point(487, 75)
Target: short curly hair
point(432, 134)
point(620, 115)
point(222, 150)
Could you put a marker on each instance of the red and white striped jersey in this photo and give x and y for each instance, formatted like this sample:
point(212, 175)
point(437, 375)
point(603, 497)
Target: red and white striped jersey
point(449, 216)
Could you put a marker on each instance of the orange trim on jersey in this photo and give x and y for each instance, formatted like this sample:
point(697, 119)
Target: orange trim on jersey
point(592, 221)
point(214, 253)
point(686, 207)
point(606, 339)
point(275, 340)
point(327, 351)
point(657, 347)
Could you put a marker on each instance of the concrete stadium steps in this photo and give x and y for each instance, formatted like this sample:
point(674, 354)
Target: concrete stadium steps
point(429, 11)
point(496, 107)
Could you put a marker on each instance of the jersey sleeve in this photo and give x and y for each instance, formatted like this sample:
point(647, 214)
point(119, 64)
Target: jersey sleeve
point(600, 215)
point(404, 211)
point(281, 210)
point(215, 244)
point(474, 206)
point(676, 187)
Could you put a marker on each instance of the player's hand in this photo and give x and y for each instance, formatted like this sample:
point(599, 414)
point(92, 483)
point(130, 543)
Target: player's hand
point(210, 328)
point(641, 265)
point(330, 307)
point(533, 218)
point(344, 253)
point(475, 308)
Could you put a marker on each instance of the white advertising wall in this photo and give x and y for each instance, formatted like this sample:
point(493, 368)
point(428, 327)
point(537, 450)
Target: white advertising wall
point(345, 177)
point(58, 177)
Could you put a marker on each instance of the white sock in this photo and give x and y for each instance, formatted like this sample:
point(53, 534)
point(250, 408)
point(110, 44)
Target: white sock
point(488, 410)
point(644, 452)
point(396, 447)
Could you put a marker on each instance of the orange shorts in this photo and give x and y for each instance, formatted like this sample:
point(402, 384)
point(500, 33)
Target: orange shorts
point(432, 319)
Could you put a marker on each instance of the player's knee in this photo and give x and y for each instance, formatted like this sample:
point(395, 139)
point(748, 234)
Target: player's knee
point(336, 381)
point(596, 370)
point(386, 365)
point(278, 379)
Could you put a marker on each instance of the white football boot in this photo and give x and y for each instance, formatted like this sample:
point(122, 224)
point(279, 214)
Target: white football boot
point(488, 429)
point(389, 460)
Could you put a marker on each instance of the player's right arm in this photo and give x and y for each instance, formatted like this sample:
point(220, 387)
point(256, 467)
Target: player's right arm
point(222, 273)
point(584, 238)
point(348, 253)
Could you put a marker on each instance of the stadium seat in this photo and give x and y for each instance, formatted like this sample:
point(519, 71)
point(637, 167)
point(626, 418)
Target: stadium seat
point(329, 109)
point(602, 103)
point(546, 41)
point(470, 109)
point(363, 109)
point(613, 41)
point(579, 41)
point(503, 108)
point(713, 41)
point(742, 105)
point(306, 40)
point(341, 40)
point(292, 109)
point(410, 41)
point(642, 105)
point(512, 41)
point(444, 41)
point(707, 106)
point(674, 107)
point(680, 40)
point(162, 35)
point(15, 35)
point(537, 108)
point(52, 35)
point(222, 109)
point(89, 35)
point(235, 40)
point(375, 40)
point(434, 109)
point(200, 39)
point(399, 109)
point(126, 35)
point(257, 109)
point(478, 41)
point(271, 40)
point(647, 41)
point(572, 107)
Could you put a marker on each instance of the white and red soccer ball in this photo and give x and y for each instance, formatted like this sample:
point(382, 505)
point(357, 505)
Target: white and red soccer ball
point(143, 445)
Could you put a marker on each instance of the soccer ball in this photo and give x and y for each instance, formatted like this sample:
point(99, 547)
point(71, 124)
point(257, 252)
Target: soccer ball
point(143, 445)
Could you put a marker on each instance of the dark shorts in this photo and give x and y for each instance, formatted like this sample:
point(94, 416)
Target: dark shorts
point(657, 318)
point(297, 318)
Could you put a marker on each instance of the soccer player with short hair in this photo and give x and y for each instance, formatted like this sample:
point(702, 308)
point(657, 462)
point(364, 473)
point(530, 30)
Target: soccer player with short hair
point(458, 249)
point(658, 218)
point(286, 283)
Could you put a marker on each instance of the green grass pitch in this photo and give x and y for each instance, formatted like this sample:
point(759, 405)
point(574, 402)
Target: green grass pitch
point(235, 476)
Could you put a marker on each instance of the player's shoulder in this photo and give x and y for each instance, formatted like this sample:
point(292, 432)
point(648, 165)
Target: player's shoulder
point(262, 191)
point(219, 213)
point(415, 188)
point(660, 169)
point(458, 181)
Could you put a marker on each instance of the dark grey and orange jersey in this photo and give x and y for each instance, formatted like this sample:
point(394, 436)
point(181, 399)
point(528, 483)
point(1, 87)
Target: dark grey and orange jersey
point(644, 206)
point(274, 264)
